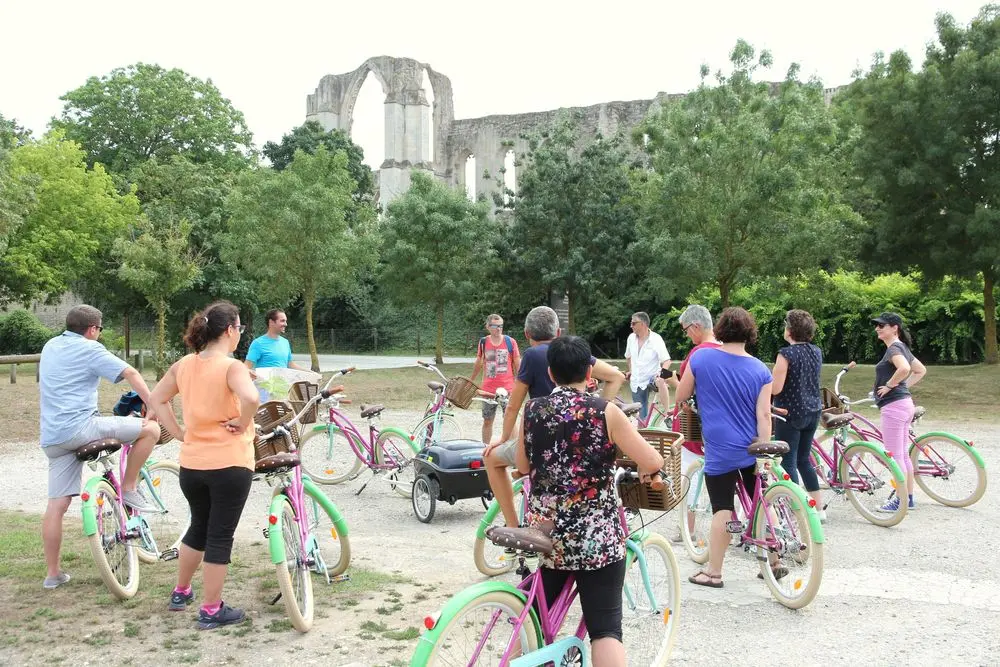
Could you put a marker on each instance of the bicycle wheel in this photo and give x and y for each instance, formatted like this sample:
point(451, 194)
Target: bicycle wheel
point(293, 573)
point(696, 521)
point(166, 525)
point(947, 471)
point(871, 480)
point(396, 449)
point(327, 457)
point(332, 548)
point(649, 626)
point(114, 552)
point(428, 431)
point(796, 548)
point(486, 623)
point(424, 498)
point(490, 559)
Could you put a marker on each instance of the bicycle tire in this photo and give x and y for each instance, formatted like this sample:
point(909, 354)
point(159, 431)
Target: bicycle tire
point(424, 498)
point(110, 516)
point(487, 563)
point(697, 500)
point(803, 545)
point(925, 446)
point(424, 432)
point(641, 621)
point(896, 481)
point(329, 538)
point(167, 525)
point(294, 580)
point(444, 650)
point(398, 446)
point(338, 465)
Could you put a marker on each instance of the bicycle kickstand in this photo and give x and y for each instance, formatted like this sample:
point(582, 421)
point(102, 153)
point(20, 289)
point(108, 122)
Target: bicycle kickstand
point(363, 486)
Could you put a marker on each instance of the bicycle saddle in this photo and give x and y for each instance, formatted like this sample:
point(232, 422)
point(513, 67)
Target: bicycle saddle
point(371, 411)
point(282, 460)
point(525, 539)
point(919, 412)
point(92, 450)
point(435, 386)
point(768, 448)
point(630, 409)
point(835, 421)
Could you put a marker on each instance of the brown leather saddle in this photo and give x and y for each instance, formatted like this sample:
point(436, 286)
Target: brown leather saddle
point(277, 462)
point(768, 448)
point(522, 539)
point(93, 450)
point(830, 421)
point(371, 411)
point(435, 386)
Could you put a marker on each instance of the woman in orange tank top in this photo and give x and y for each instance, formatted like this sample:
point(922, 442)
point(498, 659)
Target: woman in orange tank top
point(218, 401)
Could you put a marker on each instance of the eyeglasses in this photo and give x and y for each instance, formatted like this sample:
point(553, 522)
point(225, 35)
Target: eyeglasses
point(634, 322)
point(99, 327)
point(685, 329)
point(495, 326)
point(241, 328)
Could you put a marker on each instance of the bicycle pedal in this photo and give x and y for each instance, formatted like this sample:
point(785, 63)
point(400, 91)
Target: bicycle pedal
point(734, 527)
point(276, 598)
point(266, 532)
point(170, 554)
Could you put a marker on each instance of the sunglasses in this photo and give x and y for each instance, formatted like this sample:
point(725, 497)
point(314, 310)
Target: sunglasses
point(880, 325)
point(496, 326)
point(99, 327)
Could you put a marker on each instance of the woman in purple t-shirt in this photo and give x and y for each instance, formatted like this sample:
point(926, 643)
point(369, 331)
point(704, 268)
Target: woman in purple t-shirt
point(734, 401)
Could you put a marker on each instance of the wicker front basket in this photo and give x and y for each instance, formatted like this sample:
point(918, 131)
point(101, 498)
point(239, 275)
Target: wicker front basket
point(300, 394)
point(460, 391)
point(690, 423)
point(832, 404)
point(636, 495)
point(165, 436)
point(269, 416)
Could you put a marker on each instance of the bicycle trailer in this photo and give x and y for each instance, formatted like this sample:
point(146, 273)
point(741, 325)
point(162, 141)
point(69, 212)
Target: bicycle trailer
point(448, 471)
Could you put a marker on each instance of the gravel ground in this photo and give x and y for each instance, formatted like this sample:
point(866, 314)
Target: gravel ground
point(926, 591)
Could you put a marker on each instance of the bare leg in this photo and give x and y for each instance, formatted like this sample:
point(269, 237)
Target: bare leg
point(718, 542)
point(487, 430)
point(52, 526)
point(503, 489)
point(137, 455)
point(188, 563)
point(607, 652)
point(214, 575)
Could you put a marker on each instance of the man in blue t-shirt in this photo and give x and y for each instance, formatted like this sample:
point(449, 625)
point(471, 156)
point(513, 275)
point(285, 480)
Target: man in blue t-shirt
point(541, 327)
point(272, 350)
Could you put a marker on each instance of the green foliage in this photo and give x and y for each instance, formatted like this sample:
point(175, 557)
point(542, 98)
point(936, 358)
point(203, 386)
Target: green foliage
point(22, 333)
point(158, 262)
point(290, 231)
point(437, 247)
point(928, 151)
point(143, 111)
point(744, 182)
point(945, 318)
point(308, 137)
point(77, 212)
point(573, 219)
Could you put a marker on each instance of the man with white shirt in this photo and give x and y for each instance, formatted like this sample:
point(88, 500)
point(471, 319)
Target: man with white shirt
point(646, 354)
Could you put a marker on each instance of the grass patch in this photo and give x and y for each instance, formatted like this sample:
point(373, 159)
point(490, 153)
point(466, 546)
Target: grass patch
point(131, 629)
point(405, 635)
point(280, 625)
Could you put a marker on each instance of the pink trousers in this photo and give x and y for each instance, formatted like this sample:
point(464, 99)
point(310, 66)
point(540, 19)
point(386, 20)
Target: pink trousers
point(895, 427)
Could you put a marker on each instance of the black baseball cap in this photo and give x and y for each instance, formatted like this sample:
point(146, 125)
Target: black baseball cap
point(892, 319)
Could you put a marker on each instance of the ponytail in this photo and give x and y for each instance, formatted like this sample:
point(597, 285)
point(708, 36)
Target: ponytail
point(905, 336)
point(209, 324)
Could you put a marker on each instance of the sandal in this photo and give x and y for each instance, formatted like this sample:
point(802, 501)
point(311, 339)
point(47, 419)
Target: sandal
point(779, 572)
point(710, 580)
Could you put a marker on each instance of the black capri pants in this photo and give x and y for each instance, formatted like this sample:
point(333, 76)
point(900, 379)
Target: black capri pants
point(600, 596)
point(722, 488)
point(216, 498)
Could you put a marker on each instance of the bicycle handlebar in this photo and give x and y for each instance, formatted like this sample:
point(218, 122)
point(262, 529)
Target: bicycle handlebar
point(655, 481)
point(432, 367)
point(836, 387)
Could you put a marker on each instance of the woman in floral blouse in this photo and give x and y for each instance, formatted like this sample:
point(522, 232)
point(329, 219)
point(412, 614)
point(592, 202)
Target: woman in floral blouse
point(568, 445)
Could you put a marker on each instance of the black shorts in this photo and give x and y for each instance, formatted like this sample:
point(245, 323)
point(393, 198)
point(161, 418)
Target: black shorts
point(216, 498)
point(600, 596)
point(722, 488)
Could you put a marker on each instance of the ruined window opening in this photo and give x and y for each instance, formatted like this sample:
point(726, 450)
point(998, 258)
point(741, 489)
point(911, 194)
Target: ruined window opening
point(429, 92)
point(368, 121)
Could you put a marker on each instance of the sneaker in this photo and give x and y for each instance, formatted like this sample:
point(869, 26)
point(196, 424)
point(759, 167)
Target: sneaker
point(180, 601)
point(912, 505)
point(225, 616)
point(137, 501)
point(56, 582)
point(891, 506)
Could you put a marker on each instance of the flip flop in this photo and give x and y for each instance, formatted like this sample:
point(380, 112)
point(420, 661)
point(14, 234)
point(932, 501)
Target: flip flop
point(713, 580)
point(779, 572)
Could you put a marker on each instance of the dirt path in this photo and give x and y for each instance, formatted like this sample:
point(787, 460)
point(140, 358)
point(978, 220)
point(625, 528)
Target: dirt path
point(922, 592)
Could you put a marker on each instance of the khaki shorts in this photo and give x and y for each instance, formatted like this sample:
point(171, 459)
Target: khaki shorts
point(65, 468)
point(505, 452)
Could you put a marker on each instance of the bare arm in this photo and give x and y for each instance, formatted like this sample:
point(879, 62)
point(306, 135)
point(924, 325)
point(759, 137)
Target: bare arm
point(521, 454)
point(165, 390)
point(478, 366)
point(764, 413)
point(685, 388)
point(238, 379)
point(918, 371)
point(515, 364)
point(513, 407)
point(779, 373)
point(249, 364)
point(136, 381)
point(611, 376)
point(623, 434)
point(292, 364)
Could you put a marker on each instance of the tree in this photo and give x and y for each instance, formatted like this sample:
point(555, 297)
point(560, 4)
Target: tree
point(745, 182)
point(308, 137)
point(930, 152)
point(437, 248)
point(143, 111)
point(573, 219)
point(16, 193)
point(290, 232)
point(77, 211)
point(157, 261)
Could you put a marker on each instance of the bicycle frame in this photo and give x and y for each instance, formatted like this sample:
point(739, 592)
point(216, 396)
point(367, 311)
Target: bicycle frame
point(832, 460)
point(90, 513)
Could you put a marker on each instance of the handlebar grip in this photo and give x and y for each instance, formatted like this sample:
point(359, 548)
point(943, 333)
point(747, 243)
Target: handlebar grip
point(348, 370)
point(327, 393)
point(849, 366)
point(656, 481)
point(423, 363)
point(346, 401)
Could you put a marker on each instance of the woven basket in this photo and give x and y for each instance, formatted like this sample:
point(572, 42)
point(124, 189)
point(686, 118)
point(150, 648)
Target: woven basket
point(269, 416)
point(460, 391)
point(832, 404)
point(300, 394)
point(636, 495)
point(165, 436)
point(690, 423)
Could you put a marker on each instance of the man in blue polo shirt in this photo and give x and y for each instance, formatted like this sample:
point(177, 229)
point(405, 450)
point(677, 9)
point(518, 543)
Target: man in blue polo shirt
point(71, 367)
point(272, 350)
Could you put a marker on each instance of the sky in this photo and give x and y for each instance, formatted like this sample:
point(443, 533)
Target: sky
point(510, 57)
